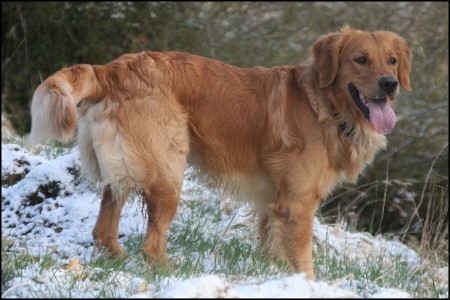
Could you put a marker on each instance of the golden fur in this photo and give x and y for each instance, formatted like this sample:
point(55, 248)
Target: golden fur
point(281, 137)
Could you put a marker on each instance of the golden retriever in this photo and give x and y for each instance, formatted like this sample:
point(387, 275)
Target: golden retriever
point(282, 137)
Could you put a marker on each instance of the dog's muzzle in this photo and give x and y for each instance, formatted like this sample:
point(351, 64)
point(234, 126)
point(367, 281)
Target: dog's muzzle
point(377, 110)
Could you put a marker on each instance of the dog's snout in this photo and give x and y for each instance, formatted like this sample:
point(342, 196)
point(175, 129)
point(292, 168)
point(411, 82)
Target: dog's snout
point(388, 84)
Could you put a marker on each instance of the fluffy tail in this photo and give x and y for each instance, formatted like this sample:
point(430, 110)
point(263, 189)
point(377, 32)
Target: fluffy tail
point(53, 108)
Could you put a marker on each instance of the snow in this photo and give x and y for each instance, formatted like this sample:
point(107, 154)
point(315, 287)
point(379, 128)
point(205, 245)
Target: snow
point(295, 286)
point(52, 211)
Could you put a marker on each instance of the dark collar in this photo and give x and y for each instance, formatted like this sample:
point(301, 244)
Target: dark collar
point(347, 131)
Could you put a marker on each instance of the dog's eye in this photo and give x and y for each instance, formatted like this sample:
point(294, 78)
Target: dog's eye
point(361, 60)
point(392, 61)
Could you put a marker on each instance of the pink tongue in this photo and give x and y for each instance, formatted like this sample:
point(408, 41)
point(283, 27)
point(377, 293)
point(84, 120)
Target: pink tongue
point(382, 116)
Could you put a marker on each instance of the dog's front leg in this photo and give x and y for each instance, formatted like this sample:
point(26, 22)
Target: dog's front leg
point(295, 219)
point(300, 186)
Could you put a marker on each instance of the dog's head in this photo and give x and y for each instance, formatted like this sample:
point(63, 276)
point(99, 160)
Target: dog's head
point(364, 71)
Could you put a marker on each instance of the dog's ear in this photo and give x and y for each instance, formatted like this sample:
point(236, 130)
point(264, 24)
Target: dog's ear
point(404, 64)
point(325, 53)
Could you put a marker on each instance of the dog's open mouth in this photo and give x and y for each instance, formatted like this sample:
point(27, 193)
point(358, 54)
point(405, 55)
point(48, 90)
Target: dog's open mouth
point(377, 111)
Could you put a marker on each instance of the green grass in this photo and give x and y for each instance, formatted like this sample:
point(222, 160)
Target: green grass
point(366, 273)
point(236, 257)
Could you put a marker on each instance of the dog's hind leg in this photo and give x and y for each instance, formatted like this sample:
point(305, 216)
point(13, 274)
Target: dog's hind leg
point(162, 201)
point(106, 229)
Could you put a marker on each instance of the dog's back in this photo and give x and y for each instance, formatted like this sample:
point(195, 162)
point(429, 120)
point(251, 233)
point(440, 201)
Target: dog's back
point(145, 109)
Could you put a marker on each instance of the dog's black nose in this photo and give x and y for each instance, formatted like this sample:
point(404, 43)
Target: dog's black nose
point(388, 84)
